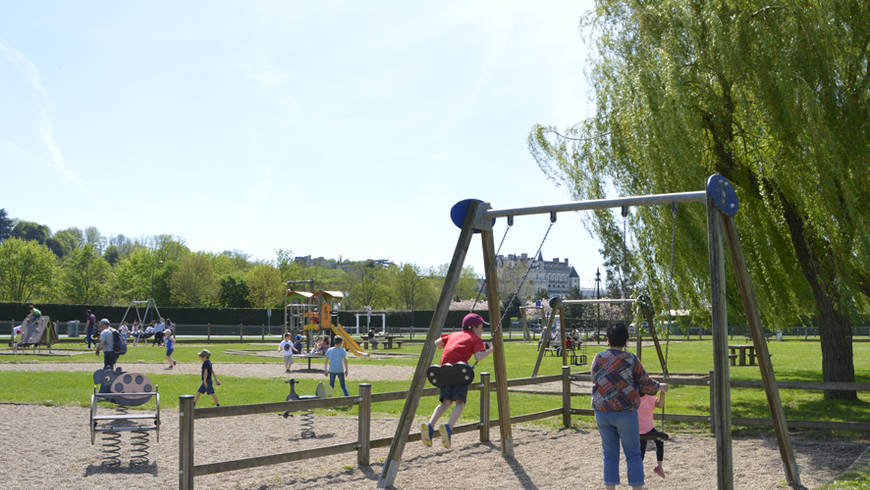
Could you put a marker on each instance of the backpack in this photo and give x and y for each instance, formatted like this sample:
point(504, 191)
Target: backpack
point(119, 343)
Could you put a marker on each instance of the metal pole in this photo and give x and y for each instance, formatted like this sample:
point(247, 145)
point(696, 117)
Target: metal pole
point(721, 373)
point(185, 442)
point(648, 200)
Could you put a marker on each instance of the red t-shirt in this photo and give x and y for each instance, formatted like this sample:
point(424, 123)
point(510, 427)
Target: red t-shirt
point(460, 346)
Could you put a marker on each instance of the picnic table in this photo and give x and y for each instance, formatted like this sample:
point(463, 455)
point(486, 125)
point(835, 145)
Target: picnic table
point(739, 352)
point(385, 340)
point(309, 357)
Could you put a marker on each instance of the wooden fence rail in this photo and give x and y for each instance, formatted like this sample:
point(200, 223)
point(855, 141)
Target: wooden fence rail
point(187, 415)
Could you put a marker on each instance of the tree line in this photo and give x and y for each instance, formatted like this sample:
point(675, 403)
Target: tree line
point(75, 266)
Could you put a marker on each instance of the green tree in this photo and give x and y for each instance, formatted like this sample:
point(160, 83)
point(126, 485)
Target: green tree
point(194, 282)
point(28, 269)
point(134, 273)
point(266, 286)
point(65, 241)
point(409, 283)
point(5, 225)
point(370, 285)
point(775, 99)
point(86, 277)
point(234, 292)
point(28, 230)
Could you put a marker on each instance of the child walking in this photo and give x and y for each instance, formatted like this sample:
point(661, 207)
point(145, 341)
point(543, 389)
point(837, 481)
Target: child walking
point(646, 426)
point(170, 348)
point(335, 357)
point(287, 349)
point(458, 348)
point(207, 375)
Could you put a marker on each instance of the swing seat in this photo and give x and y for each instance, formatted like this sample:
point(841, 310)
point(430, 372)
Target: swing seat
point(450, 374)
point(654, 436)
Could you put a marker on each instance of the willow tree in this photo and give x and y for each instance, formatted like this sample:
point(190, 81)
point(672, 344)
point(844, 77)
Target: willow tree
point(776, 99)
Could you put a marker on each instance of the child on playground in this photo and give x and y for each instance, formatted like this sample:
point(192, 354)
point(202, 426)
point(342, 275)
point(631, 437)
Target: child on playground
point(335, 358)
point(287, 349)
point(16, 337)
point(207, 375)
point(458, 348)
point(646, 426)
point(170, 348)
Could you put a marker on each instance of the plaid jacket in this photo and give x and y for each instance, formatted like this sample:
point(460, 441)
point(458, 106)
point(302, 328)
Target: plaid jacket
point(618, 381)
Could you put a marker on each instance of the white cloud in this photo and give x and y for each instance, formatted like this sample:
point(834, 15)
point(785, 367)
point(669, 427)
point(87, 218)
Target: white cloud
point(46, 126)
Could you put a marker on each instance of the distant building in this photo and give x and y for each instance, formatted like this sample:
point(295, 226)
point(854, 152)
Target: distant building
point(557, 277)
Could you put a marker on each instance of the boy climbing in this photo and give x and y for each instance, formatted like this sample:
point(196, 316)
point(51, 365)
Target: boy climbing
point(458, 348)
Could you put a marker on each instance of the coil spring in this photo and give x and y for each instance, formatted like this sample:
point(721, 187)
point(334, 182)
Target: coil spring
point(139, 450)
point(111, 449)
point(306, 424)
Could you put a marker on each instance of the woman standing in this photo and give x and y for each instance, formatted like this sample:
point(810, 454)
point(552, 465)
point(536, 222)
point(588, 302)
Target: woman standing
point(618, 382)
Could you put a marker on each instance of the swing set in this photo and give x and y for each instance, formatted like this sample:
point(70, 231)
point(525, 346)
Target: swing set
point(473, 216)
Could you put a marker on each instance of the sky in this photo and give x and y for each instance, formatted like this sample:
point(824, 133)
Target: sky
point(335, 129)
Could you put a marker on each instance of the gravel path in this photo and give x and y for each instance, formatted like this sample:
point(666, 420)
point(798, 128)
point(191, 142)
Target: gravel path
point(249, 370)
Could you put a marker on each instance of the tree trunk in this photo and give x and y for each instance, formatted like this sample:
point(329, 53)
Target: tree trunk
point(835, 328)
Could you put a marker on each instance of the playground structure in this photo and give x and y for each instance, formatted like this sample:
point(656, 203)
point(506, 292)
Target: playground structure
point(312, 312)
point(151, 313)
point(476, 217)
point(38, 332)
point(524, 318)
point(125, 390)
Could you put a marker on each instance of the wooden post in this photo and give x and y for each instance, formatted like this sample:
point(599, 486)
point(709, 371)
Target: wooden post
point(767, 376)
point(364, 420)
point(545, 341)
point(241, 332)
point(721, 373)
point(185, 442)
point(397, 447)
point(498, 357)
point(711, 382)
point(566, 396)
point(208, 334)
point(484, 407)
point(262, 332)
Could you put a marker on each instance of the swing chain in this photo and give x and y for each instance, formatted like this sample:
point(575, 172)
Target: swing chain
point(526, 275)
point(510, 222)
point(674, 209)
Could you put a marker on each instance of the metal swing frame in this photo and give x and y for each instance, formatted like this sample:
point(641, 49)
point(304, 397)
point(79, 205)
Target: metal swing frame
point(721, 202)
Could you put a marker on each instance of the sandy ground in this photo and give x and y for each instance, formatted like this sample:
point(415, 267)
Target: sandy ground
point(52, 450)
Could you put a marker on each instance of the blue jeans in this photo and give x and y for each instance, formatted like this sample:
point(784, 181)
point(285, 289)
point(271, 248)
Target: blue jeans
point(615, 427)
point(340, 376)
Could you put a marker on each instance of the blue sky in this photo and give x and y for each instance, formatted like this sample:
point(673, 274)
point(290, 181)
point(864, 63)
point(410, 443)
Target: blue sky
point(326, 128)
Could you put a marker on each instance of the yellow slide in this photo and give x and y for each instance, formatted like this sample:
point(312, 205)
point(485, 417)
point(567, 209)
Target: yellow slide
point(351, 344)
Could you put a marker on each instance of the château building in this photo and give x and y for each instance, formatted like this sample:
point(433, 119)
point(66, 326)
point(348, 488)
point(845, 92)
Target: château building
point(557, 276)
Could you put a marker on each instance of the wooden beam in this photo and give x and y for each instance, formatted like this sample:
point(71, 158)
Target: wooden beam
point(412, 401)
point(768, 378)
point(498, 357)
point(721, 374)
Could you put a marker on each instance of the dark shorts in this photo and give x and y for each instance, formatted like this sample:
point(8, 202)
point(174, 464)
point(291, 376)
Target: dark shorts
point(170, 351)
point(457, 393)
point(207, 389)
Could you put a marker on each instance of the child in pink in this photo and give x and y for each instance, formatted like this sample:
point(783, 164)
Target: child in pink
point(646, 426)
